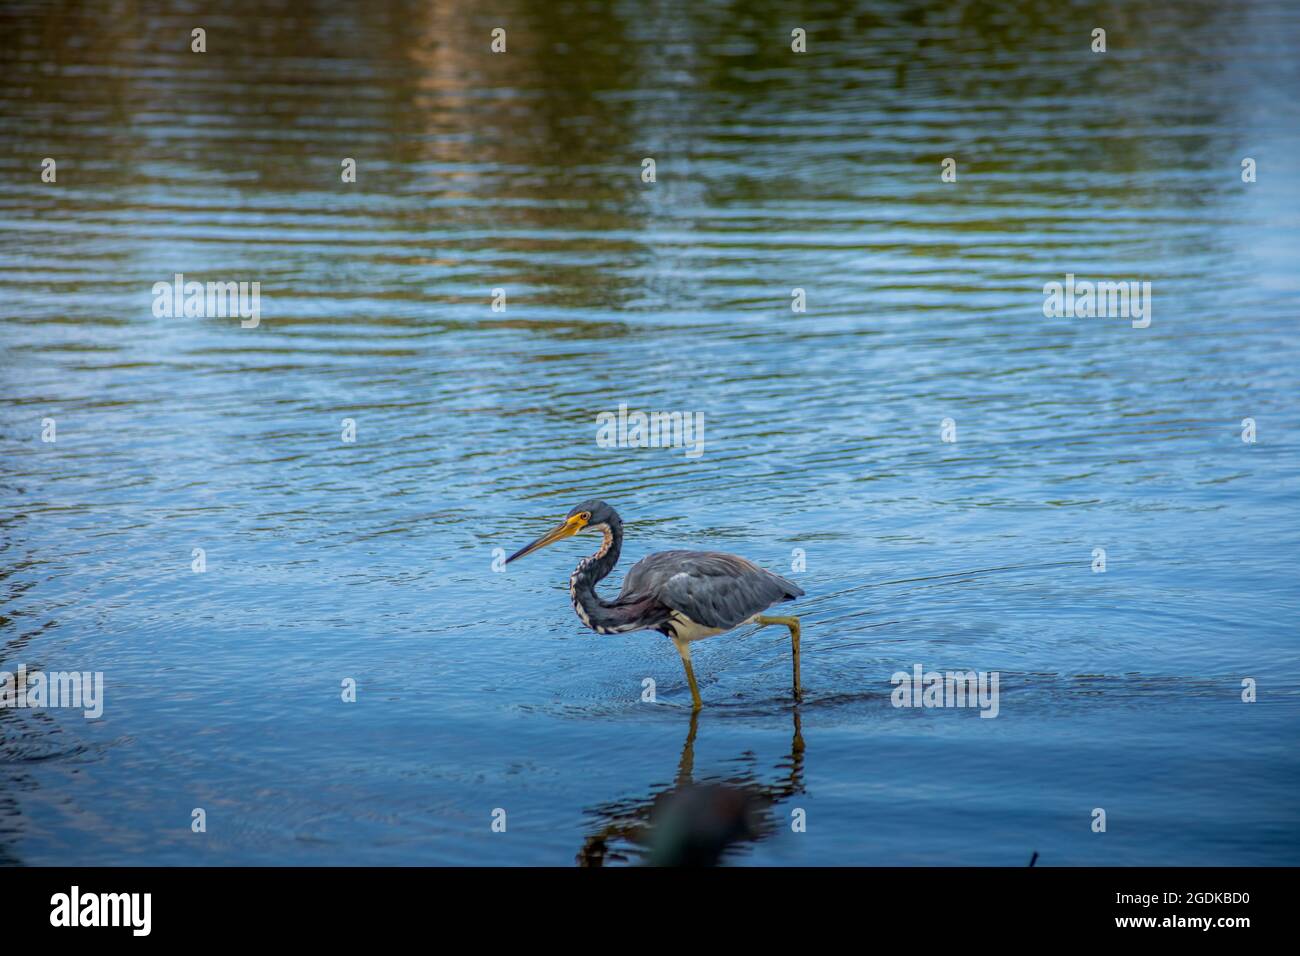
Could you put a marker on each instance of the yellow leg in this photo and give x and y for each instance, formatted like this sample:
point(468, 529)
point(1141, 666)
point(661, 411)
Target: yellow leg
point(793, 624)
point(684, 649)
point(686, 766)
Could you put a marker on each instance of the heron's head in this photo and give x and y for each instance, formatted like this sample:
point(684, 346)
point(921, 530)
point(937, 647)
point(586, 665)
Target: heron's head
point(590, 515)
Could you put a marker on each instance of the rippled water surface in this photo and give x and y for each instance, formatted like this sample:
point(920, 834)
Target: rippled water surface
point(476, 429)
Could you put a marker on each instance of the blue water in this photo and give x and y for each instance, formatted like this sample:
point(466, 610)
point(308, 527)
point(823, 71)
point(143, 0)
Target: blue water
point(479, 690)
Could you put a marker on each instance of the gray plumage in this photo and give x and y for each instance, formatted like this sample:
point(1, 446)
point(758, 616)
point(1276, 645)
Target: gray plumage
point(709, 587)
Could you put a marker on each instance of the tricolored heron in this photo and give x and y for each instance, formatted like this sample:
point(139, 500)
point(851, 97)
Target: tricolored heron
point(687, 595)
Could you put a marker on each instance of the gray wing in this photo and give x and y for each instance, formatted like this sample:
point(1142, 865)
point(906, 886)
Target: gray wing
point(711, 588)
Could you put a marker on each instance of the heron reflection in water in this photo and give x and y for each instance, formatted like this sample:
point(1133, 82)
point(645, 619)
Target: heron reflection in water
point(694, 824)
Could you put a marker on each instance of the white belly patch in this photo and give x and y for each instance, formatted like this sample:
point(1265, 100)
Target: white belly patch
point(688, 630)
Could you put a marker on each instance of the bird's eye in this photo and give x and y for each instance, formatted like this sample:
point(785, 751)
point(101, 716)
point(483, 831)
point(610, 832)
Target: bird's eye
point(585, 516)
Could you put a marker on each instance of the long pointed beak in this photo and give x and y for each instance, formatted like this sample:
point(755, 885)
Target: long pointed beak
point(566, 529)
